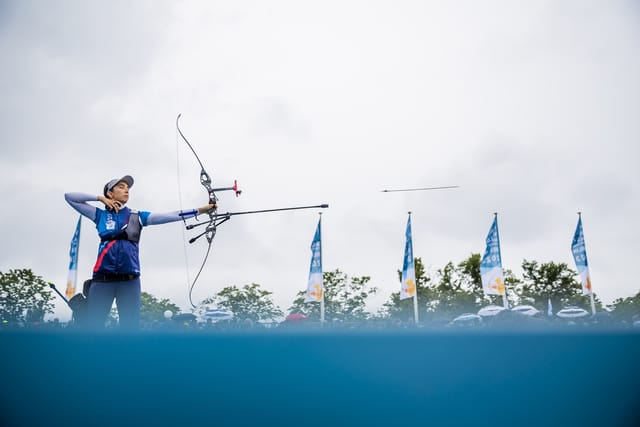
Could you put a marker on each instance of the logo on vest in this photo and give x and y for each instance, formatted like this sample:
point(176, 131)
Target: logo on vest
point(111, 224)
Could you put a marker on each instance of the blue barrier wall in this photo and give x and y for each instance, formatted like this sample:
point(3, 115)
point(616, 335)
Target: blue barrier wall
point(320, 378)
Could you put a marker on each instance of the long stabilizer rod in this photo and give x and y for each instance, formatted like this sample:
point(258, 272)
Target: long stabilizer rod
point(230, 214)
point(52, 286)
point(420, 189)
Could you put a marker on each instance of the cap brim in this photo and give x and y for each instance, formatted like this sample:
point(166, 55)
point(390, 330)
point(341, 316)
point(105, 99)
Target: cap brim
point(128, 179)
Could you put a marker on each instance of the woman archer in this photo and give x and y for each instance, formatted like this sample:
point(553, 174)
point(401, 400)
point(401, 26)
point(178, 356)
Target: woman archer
point(116, 273)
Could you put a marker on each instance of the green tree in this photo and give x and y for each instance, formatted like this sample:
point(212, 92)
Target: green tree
point(247, 303)
point(397, 309)
point(345, 298)
point(626, 308)
point(24, 297)
point(469, 274)
point(439, 300)
point(456, 289)
point(152, 309)
point(552, 281)
point(454, 293)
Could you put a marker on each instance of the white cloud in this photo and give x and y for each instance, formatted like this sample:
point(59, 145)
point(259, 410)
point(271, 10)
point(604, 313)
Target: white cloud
point(531, 109)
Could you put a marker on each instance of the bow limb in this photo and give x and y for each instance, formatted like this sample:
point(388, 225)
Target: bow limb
point(205, 179)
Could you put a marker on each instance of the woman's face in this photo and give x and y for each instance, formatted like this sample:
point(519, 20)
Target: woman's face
point(120, 192)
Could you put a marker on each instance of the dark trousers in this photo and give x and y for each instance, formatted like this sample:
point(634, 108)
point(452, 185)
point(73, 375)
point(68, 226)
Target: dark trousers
point(127, 296)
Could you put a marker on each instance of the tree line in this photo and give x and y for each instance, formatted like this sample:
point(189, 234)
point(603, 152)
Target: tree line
point(26, 298)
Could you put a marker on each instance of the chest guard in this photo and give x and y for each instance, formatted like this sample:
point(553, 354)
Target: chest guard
point(130, 231)
point(133, 228)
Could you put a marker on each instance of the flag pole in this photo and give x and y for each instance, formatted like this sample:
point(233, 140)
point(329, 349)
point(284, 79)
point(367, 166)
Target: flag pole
point(593, 303)
point(579, 251)
point(505, 302)
point(415, 306)
point(415, 294)
point(72, 277)
point(408, 287)
point(315, 285)
point(322, 300)
point(491, 272)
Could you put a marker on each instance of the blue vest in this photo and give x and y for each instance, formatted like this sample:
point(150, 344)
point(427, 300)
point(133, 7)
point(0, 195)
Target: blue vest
point(117, 253)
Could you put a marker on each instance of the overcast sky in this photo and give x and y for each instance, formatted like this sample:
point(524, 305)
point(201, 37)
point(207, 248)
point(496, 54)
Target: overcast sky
point(530, 107)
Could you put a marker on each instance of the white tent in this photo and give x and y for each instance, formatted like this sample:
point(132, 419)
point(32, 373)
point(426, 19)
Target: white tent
point(466, 319)
point(490, 310)
point(572, 313)
point(527, 310)
point(216, 314)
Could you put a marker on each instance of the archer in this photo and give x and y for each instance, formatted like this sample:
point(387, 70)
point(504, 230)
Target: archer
point(116, 273)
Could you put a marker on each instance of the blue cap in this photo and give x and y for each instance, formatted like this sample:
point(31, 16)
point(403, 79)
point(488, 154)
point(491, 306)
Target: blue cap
point(109, 185)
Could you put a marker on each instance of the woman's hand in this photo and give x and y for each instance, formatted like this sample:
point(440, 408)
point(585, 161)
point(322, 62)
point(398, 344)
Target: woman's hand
point(111, 204)
point(206, 208)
